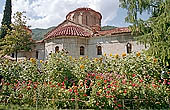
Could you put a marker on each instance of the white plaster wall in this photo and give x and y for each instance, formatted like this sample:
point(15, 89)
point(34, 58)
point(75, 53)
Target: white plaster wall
point(113, 44)
point(41, 51)
point(51, 44)
point(71, 44)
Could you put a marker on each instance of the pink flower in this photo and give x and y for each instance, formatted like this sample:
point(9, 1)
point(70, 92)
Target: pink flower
point(168, 83)
point(124, 81)
point(108, 86)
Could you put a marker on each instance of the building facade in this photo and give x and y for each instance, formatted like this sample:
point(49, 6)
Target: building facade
point(81, 35)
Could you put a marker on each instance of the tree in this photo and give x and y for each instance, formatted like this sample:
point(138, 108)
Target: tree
point(19, 38)
point(6, 21)
point(156, 30)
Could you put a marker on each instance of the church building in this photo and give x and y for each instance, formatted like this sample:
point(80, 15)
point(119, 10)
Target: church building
point(81, 35)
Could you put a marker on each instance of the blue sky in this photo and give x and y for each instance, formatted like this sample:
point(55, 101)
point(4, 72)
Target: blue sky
point(46, 13)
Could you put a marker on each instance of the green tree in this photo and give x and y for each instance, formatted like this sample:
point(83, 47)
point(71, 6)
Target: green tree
point(6, 21)
point(156, 30)
point(19, 38)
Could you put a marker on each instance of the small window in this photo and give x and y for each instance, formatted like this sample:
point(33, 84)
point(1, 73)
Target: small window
point(99, 50)
point(37, 54)
point(56, 49)
point(12, 55)
point(86, 20)
point(81, 50)
point(129, 47)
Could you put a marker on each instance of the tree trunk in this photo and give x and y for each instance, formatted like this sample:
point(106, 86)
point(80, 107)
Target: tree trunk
point(16, 55)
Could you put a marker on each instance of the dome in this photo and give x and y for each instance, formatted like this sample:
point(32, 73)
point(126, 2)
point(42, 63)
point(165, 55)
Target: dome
point(85, 16)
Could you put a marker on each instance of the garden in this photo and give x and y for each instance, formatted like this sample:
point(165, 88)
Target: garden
point(133, 81)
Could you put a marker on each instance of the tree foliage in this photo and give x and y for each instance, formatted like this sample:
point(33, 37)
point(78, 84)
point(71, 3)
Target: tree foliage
point(6, 21)
point(19, 38)
point(156, 30)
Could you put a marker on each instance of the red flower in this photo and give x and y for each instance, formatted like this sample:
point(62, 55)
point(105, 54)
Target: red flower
point(85, 95)
point(97, 77)
point(140, 80)
point(125, 91)
point(75, 91)
point(50, 83)
point(133, 75)
point(70, 90)
point(53, 85)
point(133, 85)
point(58, 84)
point(119, 105)
point(160, 81)
point(63, 83)
point(105, 81)
point(108, 92)
point(93, 75)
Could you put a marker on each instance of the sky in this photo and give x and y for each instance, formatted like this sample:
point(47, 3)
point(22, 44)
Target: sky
point(47, 13)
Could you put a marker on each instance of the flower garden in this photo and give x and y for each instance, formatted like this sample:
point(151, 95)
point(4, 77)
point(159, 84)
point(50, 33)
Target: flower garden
point(133, 81)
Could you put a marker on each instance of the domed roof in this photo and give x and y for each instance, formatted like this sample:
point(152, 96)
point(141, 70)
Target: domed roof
point(69, 30)
point(85, 9)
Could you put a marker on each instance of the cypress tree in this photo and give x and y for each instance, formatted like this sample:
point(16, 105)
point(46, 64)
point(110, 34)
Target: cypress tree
point(6, 21)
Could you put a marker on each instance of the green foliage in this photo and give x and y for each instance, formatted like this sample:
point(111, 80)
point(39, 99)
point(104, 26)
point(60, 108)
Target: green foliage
point(6, 21)
point(17, 39)
point(63, 82)
point(38, 34)
point(155, 31)
point(107, 27)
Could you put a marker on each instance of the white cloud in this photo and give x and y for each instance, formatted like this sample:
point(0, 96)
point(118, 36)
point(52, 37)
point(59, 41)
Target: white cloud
point(46, 13)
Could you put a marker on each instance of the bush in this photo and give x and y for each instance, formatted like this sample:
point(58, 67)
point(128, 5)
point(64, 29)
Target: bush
point(119, 82)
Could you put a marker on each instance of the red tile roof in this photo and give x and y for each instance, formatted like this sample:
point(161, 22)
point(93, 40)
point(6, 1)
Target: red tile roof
point(69, 30)
point(114, 31)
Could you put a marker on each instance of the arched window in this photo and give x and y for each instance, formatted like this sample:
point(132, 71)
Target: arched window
point(56, 49)
point(13, 55)
point(86, 20)
point(99, 50)
point(129, 47)
point(37, 54)
point(81, 50)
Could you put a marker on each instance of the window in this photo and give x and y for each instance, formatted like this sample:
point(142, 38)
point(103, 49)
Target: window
point(86, 20)
point(37, 54)
point(81, 50)
point(56, 49)
point(99, 50)
point(129, 47)
point(12, 55)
